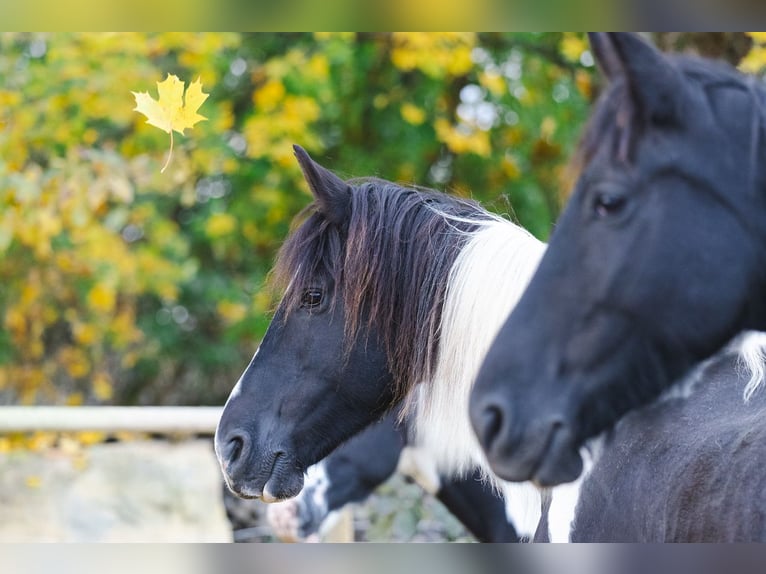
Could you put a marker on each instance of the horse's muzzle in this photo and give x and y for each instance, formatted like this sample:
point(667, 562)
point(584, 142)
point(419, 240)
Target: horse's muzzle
point(542, 451)
point(265, 473)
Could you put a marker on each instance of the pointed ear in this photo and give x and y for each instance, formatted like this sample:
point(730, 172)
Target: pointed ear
point(605, 54)
point(332, 194)
point(656, 86)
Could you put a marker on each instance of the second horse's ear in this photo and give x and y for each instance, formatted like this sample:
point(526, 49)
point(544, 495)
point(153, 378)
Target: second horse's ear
point(655, 85)
point(332, 194)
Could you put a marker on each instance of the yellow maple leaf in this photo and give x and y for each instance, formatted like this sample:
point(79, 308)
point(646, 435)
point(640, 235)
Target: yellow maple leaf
point(173, 110)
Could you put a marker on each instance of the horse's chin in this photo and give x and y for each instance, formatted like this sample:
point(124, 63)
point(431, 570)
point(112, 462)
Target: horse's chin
point(283, 482)
point(559, 468)
point(282, 487)
point(559, 463)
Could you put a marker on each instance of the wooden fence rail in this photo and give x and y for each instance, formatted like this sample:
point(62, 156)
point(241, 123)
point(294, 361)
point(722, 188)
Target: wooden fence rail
point(161, 420)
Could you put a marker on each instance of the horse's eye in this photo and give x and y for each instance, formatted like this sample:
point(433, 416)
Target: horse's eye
point(606, 204)
point(311, 298)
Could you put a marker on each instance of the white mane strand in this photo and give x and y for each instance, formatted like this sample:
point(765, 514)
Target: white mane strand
point(752, 357)
point(486, 281)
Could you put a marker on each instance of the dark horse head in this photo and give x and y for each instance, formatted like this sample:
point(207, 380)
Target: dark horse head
point(365, 275)
point(655, 264)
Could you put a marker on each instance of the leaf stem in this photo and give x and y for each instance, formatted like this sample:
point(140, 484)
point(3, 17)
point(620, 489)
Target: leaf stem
point(170, 153)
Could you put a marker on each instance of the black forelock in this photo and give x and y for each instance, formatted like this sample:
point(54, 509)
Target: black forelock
point(391, 261)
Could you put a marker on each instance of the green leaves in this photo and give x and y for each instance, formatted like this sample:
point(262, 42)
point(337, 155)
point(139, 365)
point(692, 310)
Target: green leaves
point(125, 284)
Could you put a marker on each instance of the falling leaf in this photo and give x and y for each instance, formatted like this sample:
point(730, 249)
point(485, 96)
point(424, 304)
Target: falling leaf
point(173, 110)
point(34, 482)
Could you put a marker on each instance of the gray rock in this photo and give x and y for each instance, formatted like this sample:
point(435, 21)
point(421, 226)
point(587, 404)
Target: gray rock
point(148, 491)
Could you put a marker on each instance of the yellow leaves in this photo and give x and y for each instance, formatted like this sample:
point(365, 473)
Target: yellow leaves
point(268, 96)
point(84, 334)
point(572, 46)
point(102, 386)
point(33, 482)
point(219, 225)
point(89, 438)
point(74, 361)
point(318, 67)
point(231, 312)
point(74, 400)
point(511, 168)
point(272, 133)
point(173, 111)
point(462, 139)
point(15, 322)
point(494, 82)
point(755, 60)
point(101, 298)
point(584, 83)
point(435, 54)
point(548, 128)
point(84, 239)
point(40, 441)
point(123, 329)
point(413, 114)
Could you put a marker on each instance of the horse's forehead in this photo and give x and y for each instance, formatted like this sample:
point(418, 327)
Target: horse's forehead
point(733, 108)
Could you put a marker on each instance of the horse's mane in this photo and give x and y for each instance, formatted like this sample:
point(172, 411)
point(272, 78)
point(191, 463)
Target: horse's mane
point(390, 261)
point(751, 348)
point(616, 123)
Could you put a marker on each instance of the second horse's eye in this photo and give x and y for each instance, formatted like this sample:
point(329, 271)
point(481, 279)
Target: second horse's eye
point(311, 298)
point(606, 204)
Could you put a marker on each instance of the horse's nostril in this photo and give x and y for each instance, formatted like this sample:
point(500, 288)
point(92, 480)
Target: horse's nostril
point(235, 447)
point(492, 423)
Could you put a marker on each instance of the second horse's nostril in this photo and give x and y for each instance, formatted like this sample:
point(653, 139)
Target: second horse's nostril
point(492, 423)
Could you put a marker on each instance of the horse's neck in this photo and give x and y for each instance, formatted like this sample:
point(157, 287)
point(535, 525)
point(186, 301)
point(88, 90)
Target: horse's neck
point(487, 279)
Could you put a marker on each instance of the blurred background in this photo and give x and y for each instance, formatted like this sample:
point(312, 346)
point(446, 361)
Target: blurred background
point(121, 285)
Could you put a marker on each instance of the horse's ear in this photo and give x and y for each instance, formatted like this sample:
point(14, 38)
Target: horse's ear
point(654, 83)
point(332, 194)
point(606, 57)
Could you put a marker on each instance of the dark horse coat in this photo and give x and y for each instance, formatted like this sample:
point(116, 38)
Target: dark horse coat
point(655, 264)
point(685, 469)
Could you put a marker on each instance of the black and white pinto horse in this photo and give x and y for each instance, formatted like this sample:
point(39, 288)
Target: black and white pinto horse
point(389, 287)
point(355, 469)
point(656, 263)
point(386, 287)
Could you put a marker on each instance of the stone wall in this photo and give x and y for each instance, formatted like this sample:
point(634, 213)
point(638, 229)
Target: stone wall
point(144, 491)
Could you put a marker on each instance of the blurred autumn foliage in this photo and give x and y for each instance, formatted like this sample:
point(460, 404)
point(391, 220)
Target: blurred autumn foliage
point(124, 285)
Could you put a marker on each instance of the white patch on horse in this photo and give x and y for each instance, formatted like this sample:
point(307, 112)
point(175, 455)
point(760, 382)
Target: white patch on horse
point(487, 279)
point(418, 463)
point(750, 347)
point(287, 517)
point(564, 499)
point(752, 360)
point(237, 390)
point(316, 483)
point(523, 507)
point(485, 283)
